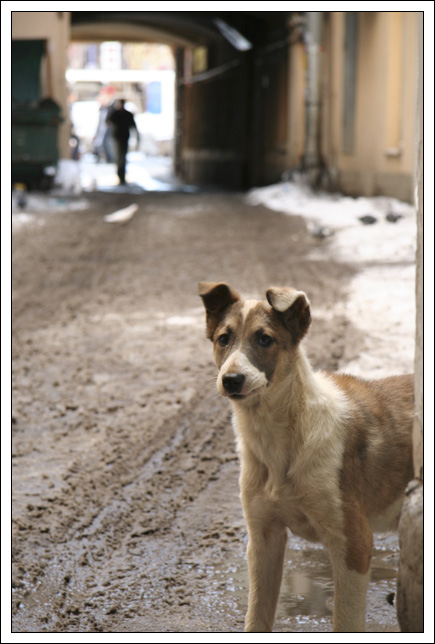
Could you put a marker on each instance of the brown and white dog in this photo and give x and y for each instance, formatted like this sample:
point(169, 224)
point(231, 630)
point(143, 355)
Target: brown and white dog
point(326, 455)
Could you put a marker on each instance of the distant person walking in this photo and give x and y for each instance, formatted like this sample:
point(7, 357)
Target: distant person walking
point(121, 122)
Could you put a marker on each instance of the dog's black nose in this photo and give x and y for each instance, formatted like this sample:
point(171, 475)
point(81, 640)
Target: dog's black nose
point(233, 382)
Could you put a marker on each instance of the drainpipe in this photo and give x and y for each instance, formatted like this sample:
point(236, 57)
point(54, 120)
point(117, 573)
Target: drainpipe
point(313, 37)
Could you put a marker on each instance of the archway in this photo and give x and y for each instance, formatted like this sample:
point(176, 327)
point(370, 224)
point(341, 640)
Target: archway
point(143, 74)
point(231, 79)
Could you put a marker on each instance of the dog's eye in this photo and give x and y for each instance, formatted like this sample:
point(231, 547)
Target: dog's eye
point(224, 339)
point(265, 340)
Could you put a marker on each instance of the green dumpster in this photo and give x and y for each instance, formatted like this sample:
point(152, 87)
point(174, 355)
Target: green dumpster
point(35, 121)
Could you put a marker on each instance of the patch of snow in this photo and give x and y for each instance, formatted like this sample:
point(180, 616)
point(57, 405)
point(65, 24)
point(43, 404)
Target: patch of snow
point(182, 320)
point(334, 210)
point(20, 219)
point(123, 215)
point(67, 176)
point(43, 203)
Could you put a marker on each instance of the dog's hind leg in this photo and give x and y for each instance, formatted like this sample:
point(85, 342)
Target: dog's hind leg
point(349, 599)
point(266, 549)
point(351, 568)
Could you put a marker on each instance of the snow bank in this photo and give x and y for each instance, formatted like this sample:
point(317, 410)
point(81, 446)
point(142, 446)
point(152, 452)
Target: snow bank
point(382, 241)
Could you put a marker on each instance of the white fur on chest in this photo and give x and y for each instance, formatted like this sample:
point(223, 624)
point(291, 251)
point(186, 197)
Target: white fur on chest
point(303, 458)
point(275, 434)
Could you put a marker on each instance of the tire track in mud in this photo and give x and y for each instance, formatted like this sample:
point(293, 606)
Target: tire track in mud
point(107, 522)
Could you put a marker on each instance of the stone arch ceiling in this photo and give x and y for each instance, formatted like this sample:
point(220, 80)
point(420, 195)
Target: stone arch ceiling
point(173, 28)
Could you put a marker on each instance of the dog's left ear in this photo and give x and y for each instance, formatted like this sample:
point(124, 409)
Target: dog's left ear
point(293, 308)
point(216, 298)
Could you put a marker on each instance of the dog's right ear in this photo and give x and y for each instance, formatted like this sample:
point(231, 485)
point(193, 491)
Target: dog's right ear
point(216, 298)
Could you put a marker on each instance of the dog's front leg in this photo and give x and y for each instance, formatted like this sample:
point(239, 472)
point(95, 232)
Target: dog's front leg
point(265, 554)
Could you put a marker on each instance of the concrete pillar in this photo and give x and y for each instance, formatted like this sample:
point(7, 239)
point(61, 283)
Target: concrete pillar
point(410, 578)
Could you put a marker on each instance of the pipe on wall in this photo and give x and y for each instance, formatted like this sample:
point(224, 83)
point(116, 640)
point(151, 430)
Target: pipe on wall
point(313, 38)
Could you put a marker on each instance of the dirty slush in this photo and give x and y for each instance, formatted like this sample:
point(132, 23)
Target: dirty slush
point(126, 511)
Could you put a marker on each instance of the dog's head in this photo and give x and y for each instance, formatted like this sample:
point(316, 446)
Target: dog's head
point(254, 341)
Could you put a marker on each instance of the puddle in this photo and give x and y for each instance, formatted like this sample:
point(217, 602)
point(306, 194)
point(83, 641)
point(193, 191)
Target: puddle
point(306, 598)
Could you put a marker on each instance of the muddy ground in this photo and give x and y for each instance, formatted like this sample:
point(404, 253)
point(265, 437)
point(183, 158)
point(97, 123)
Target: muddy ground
point(126, 516)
